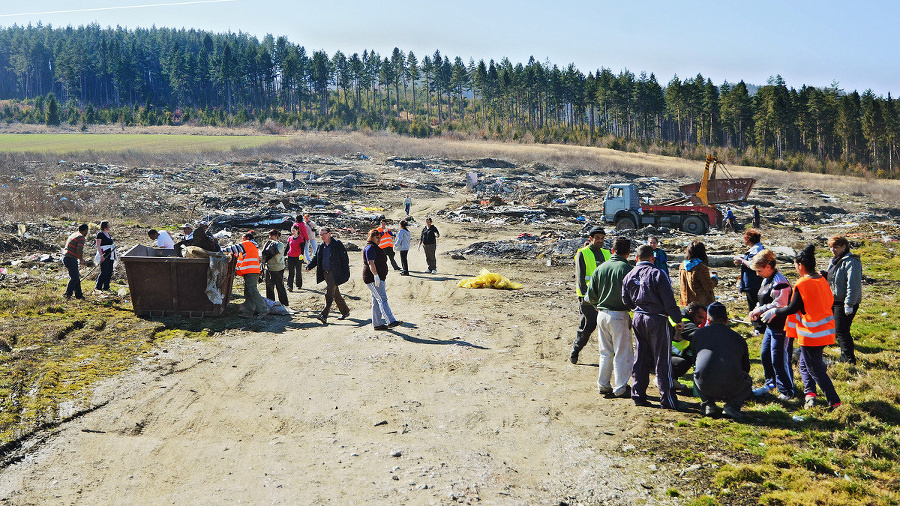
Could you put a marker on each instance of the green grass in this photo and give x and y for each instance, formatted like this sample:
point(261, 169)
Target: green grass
point(148, 143)
point(849, 456)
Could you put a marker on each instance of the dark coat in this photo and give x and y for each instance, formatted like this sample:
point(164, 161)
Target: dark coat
point(340, 262)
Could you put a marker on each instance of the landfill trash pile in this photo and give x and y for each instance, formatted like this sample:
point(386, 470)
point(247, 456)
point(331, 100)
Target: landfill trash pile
point(488, 279)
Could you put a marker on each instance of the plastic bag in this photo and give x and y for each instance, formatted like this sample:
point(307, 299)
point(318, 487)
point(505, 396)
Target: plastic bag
point(488, 279)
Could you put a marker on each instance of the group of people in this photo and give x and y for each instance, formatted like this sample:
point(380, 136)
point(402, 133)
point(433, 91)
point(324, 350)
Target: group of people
point(816, 311)
point(73, 258)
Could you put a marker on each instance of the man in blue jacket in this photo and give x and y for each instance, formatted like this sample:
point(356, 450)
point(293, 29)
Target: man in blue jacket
point(333, 267)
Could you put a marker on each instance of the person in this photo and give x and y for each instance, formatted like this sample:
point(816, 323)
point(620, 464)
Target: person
point(730, 220)
point(586, 261)
point(613, 327)
point(375, 271)
point(810, 320)
point(693, 317)
point(248, 267)
point(273, 256)
point(203, 239)
point(303, 232)
point(387, 243)
point(295, 257)
point(756, 217)
point(407, 204)
point(162, 238)
point(844, 275)
point(777, 349)
point(106, 253)
point(697, 284)
point(649, 293)
point(198, 237)
point(660, 258)
point(404, 238)
point(73, 256)
point(750, 281)
point(722, 367)
point(311, 231)
point(428, 241)
point(333, 267)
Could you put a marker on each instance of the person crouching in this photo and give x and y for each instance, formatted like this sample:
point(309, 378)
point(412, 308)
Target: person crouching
point(722, 367)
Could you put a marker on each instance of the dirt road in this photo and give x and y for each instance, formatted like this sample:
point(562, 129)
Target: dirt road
point(472, 399)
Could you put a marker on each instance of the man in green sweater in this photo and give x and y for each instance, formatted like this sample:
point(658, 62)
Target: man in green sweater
point(613, 323)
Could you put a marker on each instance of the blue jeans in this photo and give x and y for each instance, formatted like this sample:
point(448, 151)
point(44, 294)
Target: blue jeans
point(776, 361)
point(381, 312)
point(74, 286)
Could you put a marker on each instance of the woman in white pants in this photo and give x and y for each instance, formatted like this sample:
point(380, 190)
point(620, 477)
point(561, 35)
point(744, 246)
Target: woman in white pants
point(375, 270)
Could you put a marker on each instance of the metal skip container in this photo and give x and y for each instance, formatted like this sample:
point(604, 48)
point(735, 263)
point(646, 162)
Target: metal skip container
point(163, 284)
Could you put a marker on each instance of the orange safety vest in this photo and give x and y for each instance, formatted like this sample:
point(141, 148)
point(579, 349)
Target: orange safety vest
point(248, 263)
point(386, 240)
point(815, 326)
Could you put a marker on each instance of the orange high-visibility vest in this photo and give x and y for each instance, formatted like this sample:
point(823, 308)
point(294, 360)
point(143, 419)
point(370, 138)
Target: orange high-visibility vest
point(248, 263)
point(386, 240)
point(815, 326)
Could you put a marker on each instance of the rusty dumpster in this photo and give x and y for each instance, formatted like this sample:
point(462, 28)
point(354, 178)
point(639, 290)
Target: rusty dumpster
point(163, 284)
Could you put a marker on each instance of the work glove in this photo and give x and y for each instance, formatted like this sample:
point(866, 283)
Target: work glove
point(768, 315)
point(848, 310)
point(379, 282)
point(754, 315)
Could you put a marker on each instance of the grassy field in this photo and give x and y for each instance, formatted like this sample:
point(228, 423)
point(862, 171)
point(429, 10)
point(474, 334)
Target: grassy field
point(57, 143)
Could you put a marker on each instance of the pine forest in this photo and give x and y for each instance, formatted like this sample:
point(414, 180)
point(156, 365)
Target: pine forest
point(91, 75)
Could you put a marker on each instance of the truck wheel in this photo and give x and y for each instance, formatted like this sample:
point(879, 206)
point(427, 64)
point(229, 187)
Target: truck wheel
point(693, 225)
point(625, 223)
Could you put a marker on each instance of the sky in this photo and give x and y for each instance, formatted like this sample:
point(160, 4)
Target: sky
point(806, 42)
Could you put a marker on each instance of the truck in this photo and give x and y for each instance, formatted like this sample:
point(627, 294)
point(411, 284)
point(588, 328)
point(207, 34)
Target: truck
point(695, 213)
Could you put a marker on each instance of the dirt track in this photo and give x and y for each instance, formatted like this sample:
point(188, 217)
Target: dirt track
point(472, 399)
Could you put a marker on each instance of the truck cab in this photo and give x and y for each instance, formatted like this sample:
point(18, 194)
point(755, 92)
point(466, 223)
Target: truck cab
point(622, 202)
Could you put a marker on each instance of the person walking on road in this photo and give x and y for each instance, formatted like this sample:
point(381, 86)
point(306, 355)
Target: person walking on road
point(295, 248)
point(586, 261)
point(73, 256)
point(375, 271)
point(648, 292)
point(810, 320)
point(844, 275)
point(333, 267)
point(387, 243)
point(428, 241)
point(407, 205)
point(273, 256)
point(613, 326)
point(106, 253)
point(404, 238)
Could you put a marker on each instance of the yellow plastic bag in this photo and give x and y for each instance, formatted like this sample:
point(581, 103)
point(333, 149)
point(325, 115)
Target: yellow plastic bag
point(488, 279)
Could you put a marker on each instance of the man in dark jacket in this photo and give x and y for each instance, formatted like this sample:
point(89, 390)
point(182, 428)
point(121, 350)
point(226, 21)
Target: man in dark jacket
point(722, 367)
point(333, 267)
point(648, 292)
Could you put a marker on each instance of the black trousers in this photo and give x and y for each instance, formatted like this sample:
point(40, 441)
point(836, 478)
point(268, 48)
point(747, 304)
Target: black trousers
point(275, 281)
point(389, 251)
point(587, 325)
point(74, 286)
point(842, 322)
point(404, 262)
point(294, 265)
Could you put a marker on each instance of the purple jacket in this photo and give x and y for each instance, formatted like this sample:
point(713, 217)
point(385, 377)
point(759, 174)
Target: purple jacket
point(648, 290)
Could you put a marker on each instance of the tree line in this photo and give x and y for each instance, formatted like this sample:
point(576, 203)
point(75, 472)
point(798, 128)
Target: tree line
point(91, 75)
